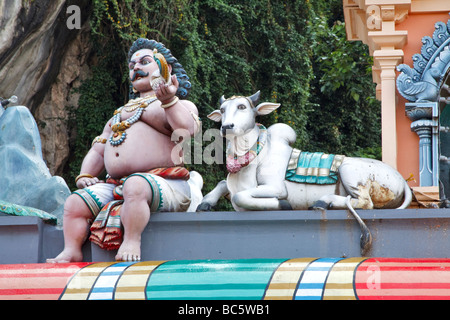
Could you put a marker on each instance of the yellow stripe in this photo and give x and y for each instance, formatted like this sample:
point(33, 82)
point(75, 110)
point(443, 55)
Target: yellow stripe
point(133, 282)
point(341, 297)
point(80, 285)
point(284, 280)
point(339, 283)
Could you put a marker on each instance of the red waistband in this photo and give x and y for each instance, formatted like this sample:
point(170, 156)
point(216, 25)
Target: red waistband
point(167, 173)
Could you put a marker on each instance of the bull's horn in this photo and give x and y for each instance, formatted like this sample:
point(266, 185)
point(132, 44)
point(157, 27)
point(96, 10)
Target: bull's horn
point(222, 100)
point(254, 98)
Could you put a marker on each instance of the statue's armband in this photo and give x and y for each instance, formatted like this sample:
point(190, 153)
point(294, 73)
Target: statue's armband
point(98, 139)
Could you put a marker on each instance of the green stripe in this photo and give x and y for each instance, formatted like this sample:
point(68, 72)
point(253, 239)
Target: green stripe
point(212, 286)
point(210, 295)
point(210, 265)
point(212, 279)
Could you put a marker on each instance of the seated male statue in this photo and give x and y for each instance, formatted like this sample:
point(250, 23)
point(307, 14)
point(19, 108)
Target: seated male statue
point(136, 150)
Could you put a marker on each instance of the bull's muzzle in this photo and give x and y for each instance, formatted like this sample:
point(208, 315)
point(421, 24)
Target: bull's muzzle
point(226, 127)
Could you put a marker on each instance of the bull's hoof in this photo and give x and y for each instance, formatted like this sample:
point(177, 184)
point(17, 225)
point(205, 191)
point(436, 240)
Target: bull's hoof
point(204, 207)
point(285, 205)
point(319, 205)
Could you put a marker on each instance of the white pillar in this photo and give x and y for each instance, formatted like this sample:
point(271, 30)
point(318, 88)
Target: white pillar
point(386, 61)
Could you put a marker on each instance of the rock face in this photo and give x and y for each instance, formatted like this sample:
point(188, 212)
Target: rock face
point(24, 177)
point(41, 60)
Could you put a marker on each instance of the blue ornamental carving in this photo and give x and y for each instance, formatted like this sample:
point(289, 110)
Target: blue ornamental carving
point(422, 82)
point(421, 86)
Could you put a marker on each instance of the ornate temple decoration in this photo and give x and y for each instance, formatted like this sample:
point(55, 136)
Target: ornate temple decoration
point(421, 85)
point(422, 82)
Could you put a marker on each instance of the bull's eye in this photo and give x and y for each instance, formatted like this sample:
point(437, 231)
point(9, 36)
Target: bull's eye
point(222, 110)
point(241, 107)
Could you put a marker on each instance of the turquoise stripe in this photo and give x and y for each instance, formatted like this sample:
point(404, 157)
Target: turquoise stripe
point(184, 266)
point(210, 295)
point(212, 279)
point(194, 278)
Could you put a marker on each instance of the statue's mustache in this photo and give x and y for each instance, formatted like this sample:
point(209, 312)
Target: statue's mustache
point(139, 73)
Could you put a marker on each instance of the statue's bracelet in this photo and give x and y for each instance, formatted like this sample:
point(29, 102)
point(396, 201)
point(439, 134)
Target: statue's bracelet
point(171, 103)
point(83, 175)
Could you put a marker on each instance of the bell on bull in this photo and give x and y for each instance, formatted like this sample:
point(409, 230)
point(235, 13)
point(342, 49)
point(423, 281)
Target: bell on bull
point(267, 173)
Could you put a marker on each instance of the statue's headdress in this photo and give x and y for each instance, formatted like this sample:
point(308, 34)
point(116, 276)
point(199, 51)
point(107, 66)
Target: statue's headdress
point(177, 68)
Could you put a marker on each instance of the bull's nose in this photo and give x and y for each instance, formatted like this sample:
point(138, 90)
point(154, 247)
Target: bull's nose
point(227, 127)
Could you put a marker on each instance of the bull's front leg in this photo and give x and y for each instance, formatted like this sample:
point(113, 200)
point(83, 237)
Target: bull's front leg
point(261, 198)
point(210, 200)
point(338, 202)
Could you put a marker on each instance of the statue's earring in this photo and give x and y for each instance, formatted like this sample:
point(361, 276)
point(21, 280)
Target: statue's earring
point(134, 90)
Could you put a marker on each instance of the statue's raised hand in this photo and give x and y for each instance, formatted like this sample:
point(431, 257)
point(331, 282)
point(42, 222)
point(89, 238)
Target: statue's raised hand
point(166, 92)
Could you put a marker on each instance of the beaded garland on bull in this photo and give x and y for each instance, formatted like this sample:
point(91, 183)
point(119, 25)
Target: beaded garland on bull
point(236, 163)
point(118, 127)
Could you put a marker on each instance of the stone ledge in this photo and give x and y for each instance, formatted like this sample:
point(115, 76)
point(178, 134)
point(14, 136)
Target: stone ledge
point(242, 235)
point(29, 240)
point(410, 233)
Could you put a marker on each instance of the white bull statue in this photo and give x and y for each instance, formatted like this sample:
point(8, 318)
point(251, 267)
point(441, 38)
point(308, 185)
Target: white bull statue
point(267, 173)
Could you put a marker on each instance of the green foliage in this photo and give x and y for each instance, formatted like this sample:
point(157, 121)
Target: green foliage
point(346, 117)
point(295, 52)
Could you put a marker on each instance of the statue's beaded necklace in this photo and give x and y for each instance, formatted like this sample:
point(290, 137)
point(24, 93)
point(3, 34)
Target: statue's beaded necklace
point(118, 127)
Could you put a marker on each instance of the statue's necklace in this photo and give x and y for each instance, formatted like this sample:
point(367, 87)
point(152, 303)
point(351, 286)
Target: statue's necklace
point(118, 127)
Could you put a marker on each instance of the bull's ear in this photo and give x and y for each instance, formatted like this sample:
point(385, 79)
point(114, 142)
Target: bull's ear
point(266, 107)
point(215, 116)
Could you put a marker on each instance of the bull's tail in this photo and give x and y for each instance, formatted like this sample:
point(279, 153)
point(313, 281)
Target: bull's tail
point(407, 197)
point(366, 235)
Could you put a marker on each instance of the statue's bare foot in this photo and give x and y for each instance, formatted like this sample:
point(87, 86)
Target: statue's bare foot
point(67, 256)
point(129, 251)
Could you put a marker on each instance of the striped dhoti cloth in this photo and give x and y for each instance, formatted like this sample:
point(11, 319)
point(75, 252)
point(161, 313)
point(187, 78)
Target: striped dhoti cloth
point(106, 230)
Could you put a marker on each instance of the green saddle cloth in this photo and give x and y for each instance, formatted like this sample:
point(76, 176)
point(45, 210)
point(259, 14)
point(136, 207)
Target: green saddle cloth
point(313, 167)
